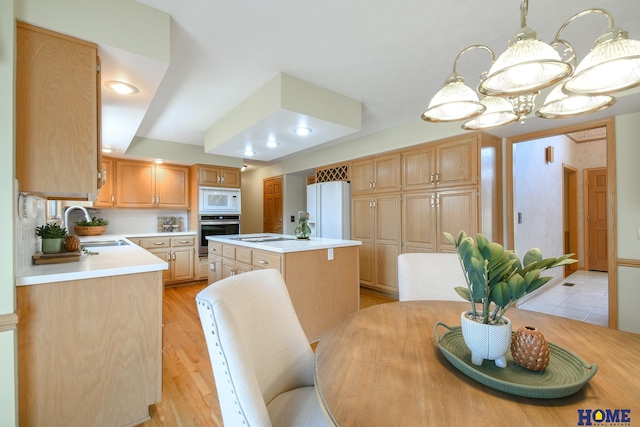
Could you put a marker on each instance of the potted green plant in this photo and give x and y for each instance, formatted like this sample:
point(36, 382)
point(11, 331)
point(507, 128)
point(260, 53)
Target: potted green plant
point(53, 237)
point(496, 279)
point(94, 227)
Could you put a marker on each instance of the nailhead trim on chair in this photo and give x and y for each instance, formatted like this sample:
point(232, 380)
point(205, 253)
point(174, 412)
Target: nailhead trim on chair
point(224, 362)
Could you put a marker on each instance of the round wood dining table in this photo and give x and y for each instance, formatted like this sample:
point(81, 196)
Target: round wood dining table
point(382, 366)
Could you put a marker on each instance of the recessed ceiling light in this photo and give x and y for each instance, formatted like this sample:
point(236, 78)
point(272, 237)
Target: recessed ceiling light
point(302, 131)
point(121, 87)
point(249, 152)
point(272, 144)
point(159, 161)
point(107, 150)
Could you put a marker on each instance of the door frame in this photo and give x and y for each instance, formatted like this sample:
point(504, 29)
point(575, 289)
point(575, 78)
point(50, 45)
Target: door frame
point(609, 124)
point(570, 214)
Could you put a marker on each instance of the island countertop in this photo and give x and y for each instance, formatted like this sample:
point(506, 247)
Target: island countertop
point(282, 243)
point(110, 261)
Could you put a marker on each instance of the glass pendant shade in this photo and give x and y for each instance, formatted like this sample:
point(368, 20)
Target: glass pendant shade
point(560, 105)
point(611, 66)
point(499, 112)
point(528, 65)
point(455, 101)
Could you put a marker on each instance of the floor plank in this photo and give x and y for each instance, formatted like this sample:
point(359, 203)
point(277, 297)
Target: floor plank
point(189, 395)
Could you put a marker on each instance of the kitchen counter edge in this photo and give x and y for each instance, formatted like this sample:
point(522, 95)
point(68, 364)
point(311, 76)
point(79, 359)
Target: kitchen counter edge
point(284, 246)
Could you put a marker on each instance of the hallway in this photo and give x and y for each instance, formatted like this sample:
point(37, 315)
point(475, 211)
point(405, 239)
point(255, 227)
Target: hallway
point(586, 300)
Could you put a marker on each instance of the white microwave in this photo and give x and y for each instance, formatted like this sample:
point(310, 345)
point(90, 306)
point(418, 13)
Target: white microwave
point(215, 200)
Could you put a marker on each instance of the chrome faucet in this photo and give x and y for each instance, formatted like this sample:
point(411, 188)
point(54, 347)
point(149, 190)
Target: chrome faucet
point(69, 209)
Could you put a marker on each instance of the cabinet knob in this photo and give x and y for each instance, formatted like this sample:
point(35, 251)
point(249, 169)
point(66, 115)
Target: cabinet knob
point(438, 177)
point(262, 261)
point(184, 241)
point(158, 243)
point(431, 179)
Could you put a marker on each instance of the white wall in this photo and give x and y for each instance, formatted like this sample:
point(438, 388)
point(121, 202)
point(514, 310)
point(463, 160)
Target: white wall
point(295, 199)
point(628, 219)
point(8, 347)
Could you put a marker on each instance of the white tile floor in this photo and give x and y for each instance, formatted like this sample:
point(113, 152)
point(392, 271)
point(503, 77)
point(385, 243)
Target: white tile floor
point(586, 300)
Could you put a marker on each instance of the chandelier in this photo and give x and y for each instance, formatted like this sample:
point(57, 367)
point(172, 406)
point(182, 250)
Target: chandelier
point(509, 89)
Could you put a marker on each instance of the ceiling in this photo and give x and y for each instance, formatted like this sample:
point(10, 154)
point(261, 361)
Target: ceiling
point(391, 57)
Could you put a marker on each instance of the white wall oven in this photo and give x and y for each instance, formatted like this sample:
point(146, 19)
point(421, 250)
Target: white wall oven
point(217, 201)
point(216, 225)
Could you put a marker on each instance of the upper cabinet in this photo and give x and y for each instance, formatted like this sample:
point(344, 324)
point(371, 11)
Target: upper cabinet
point(452, 163)
point(57, 114)
point(376, 175)
point(216, 176)
point(147, 185)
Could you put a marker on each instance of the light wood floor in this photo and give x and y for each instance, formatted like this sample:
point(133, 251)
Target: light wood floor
point(188, 390)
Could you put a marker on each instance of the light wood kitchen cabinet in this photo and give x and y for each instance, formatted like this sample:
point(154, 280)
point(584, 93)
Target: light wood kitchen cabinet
point(146, 185)
point(427, 215)
point(179, 252)
point(57, 114)
point(216, 176)
point(106, 196)
point(376, 175)
point(90, 351)
point(377, 224)
point(451, 163)
point(448, 185)
point(323, 288)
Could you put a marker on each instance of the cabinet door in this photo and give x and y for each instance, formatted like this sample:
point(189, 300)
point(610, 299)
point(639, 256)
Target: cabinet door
point(208, 176)
point(361, 176)
point(362, 228)
point(165, 255)
point(419, 222)
point(172, 187)
point(57, 129)
point(230, 177)
point(388, 213)
point(387, 173)
point(135, 185)
point(457, 210)
point(457, 162)
point(215, 269)
point(182, 267)
point(418, 169)
point(106, 197)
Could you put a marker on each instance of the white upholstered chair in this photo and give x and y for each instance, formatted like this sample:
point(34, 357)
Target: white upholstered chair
point(429, 276)
point(261, 359)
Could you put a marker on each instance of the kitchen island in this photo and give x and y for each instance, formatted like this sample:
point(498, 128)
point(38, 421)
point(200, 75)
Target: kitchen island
point(322, 275)
point(90, 337)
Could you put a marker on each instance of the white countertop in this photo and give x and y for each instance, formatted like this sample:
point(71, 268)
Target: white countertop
point(283, 246)
point(159, 234)
point(110, 261)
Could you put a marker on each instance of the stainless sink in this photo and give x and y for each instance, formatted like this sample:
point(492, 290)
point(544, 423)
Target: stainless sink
point(103, 243)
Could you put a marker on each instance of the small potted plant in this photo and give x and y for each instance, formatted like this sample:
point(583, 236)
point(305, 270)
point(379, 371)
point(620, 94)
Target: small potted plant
point(496, 279)
point(53, 237)
point(94, 227)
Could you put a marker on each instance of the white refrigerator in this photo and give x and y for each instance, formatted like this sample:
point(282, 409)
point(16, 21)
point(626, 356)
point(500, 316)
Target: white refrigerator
point(329, 208)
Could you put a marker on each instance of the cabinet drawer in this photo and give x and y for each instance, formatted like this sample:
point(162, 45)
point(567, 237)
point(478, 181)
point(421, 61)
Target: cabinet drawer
point(215, 248)
point(266, 260)
point(229, 252)
point(243, 255)
point(183, 241)
point(156, 242)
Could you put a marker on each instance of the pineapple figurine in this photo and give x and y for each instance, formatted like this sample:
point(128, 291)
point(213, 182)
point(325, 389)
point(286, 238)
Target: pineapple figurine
point(72, 244)
point(529, 349)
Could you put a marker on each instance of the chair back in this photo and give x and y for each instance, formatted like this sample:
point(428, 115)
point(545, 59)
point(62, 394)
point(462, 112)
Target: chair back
point(256, 344)
point(429, 276)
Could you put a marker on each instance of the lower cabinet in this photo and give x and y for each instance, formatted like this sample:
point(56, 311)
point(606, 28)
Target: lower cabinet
point(323, 288)
point(90, 351)
point(179, 252)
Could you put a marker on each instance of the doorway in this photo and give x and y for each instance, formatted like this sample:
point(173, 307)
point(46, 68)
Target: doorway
point(272, 208)
point(608, 130)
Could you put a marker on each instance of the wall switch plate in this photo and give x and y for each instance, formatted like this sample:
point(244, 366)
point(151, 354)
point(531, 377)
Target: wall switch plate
point(293, 218)
point(330, 254)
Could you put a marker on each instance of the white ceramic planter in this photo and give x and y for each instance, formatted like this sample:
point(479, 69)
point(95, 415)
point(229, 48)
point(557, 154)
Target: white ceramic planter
point(489, 342)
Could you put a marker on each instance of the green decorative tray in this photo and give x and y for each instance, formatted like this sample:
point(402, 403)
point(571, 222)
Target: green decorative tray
point(565, 375)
